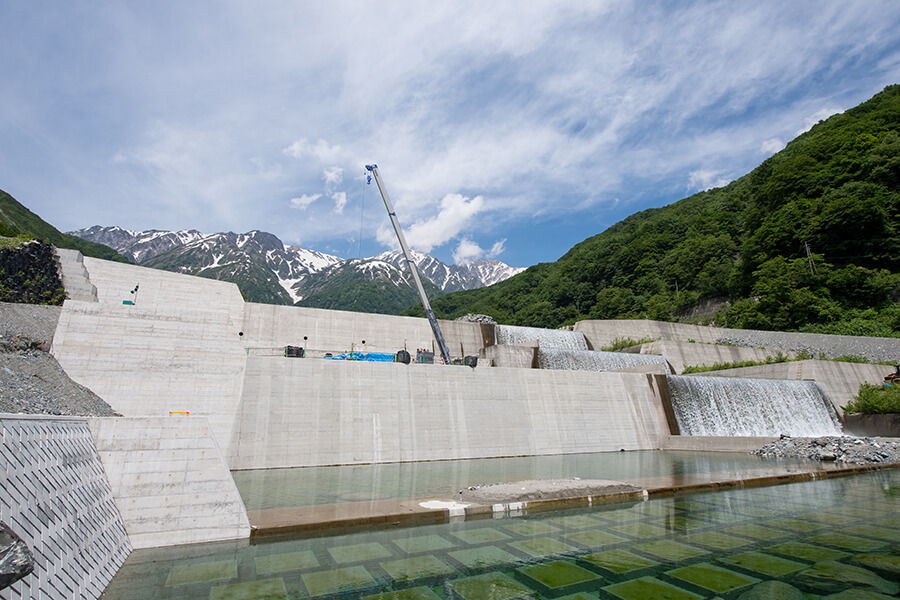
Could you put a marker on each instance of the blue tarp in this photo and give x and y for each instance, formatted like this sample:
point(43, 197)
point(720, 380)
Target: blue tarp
point(364, 356)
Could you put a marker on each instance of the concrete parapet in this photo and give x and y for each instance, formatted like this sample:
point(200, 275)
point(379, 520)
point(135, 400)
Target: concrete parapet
point(169, 480)
point(343, 331)
point(839, 381)
point(307, 412)
point(56, 497)
point(684, 354)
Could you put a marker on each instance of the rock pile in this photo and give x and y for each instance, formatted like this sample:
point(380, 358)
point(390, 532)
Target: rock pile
point(31, 381)
point(473, 318)
point(840, 449)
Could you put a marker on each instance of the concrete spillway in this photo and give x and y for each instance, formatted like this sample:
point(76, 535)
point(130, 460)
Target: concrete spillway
point(750, 407)
point(589, 360)
point(559, 339)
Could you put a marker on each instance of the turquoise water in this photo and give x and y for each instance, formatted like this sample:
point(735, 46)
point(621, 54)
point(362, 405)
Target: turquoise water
point(278, 488)
point(824, 537)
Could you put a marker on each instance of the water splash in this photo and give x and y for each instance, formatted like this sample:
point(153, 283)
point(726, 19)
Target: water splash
point(560, 339)
point(588, 360)
point(750, 407)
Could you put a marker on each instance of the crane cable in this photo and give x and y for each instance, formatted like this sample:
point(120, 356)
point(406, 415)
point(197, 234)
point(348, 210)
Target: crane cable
point(362, 206)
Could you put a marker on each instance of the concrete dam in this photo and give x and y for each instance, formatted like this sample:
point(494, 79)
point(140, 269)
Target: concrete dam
point(205, 389)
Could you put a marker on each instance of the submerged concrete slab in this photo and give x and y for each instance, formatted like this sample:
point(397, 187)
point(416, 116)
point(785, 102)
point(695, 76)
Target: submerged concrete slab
point(414, 511)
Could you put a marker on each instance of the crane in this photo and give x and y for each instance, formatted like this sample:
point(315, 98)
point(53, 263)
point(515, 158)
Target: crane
point(432, 320)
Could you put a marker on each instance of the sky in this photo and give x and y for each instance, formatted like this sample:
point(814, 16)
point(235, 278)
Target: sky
point(507, 130)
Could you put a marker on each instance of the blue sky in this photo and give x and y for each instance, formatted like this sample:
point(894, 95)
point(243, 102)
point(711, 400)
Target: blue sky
point(509, 130)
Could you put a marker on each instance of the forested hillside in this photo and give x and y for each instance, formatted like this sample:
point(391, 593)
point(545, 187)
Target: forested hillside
point(18, 221)
point(807, 241)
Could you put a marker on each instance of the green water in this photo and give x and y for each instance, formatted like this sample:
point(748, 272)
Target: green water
point(278, 488)
point(827, 538)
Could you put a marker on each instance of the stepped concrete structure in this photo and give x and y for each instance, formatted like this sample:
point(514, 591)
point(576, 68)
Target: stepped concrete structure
point(202, 381)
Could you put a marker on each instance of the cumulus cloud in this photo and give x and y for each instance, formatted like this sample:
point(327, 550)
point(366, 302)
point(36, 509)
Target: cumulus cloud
point(455, 213)
point(706, 180)
point(319, 149)
point(340, 201)
point(771, 146)
point(303, 202)
point(333, 176)
point(467, 251)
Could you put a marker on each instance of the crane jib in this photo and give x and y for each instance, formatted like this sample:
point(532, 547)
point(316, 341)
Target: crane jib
point(432, 320)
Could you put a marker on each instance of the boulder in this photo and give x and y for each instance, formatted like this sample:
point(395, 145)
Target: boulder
point(16, 560)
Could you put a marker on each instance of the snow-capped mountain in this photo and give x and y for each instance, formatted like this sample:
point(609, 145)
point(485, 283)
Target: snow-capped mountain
point(267, 271)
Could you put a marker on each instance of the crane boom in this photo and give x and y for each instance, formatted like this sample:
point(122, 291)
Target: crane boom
point(432, 320)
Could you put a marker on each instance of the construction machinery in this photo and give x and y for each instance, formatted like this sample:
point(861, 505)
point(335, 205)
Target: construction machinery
point(439, 338)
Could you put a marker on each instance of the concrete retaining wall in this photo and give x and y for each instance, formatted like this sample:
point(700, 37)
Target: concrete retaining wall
point(683, 354)
point(603, 333)
point(297, 412)
point(887, 425)
point(56, 497)
point(839, 381)
point(169, 480)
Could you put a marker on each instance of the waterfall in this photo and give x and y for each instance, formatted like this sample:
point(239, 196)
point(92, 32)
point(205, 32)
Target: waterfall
point(750, 407)
point(588, 360)
point(560, 339)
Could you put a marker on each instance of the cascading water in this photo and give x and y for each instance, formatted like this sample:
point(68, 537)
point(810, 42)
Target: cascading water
point(560, 339)
point(588, 360)
point(750, 407)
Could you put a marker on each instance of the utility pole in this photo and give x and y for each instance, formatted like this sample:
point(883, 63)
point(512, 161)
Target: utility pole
point(432, 320)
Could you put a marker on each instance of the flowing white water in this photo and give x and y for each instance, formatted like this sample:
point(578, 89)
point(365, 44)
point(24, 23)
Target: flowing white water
point(560, 339)
point(750, 407)
point(588, 360)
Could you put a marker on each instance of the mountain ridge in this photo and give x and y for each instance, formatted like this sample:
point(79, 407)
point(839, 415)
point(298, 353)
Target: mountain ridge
point(268, 271)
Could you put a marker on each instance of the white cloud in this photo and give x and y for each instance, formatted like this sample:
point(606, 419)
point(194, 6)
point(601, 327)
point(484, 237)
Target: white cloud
point(319, 149)
point(456, 211)
point(771, 146)
point(303, 202)
point(497, 249)
point(467, 251)
point(333, 176)
point(340, 201)
point(706, 180)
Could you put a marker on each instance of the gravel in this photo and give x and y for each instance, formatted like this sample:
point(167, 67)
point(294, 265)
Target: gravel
point(839, 449)
point(31, 381)
point(831, 346)
point(541, 489)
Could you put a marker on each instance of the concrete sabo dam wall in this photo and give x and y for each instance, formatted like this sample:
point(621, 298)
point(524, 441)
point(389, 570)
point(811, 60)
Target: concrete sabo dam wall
point(192, 345)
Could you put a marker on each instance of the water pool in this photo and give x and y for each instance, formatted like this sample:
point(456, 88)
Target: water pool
point(822, 537)
point(308, 486)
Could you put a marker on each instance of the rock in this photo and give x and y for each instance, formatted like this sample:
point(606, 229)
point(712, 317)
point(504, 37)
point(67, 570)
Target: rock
point(831, 577)
point(16, 560)
point(886, 565)
point(772, 590)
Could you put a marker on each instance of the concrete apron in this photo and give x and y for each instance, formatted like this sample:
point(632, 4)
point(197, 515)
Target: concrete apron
point(339, 518)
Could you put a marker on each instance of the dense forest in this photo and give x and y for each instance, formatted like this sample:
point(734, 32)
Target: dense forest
point(808, 241)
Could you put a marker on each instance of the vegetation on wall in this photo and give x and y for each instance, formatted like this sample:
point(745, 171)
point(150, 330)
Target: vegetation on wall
point(808, 241)
point(28, 274)
point(875, 399)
